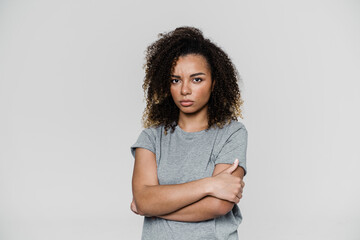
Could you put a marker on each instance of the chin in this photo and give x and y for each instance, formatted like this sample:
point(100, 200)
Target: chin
point(187, 110)
point(190, 111)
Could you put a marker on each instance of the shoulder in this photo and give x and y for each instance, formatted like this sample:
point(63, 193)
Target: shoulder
point(233, 131)
point(233, 127)
point(231, 144)
point(153, 132)
point(232, 134)
point(147, 139)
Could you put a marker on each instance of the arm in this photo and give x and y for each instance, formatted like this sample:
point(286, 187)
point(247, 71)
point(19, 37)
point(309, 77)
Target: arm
point(152, 199)
point(209, 207)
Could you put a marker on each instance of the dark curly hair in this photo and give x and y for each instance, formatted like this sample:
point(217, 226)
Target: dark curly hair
point(161, 56)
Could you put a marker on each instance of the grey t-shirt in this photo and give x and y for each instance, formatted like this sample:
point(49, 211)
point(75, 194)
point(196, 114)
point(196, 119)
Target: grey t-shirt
point(187, 156)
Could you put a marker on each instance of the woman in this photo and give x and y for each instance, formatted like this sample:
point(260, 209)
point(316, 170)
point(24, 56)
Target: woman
point(191, 157)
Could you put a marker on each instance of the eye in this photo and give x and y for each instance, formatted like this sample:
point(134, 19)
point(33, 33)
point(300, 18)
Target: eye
point(197, 80)
point(175, 80)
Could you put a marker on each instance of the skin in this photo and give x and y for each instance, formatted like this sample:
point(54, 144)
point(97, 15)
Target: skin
point(191, 80)
point(193, 201)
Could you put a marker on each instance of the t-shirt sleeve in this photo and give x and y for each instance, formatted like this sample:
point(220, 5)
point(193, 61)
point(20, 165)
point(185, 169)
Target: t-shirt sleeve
point(235, 147)
point(145, 140)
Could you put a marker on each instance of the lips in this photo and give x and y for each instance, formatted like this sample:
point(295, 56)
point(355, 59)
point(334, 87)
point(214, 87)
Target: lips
point(186, 103)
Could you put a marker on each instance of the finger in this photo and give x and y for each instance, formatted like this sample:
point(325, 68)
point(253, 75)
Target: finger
point(233, 166)
point(242, 184)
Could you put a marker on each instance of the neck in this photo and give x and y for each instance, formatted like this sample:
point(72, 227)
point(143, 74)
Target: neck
point(193, 122)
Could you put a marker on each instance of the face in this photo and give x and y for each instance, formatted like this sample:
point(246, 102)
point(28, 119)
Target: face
point(191, 84)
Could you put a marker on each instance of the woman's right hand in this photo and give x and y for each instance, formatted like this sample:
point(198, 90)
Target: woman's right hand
point(226, 186)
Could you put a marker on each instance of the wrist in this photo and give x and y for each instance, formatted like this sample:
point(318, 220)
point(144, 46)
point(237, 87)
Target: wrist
point(208, 186)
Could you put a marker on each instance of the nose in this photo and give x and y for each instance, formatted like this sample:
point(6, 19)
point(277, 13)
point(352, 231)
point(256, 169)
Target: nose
point(185, 89)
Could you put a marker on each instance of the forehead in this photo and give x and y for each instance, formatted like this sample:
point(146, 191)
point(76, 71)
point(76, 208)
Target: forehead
point(191, 62)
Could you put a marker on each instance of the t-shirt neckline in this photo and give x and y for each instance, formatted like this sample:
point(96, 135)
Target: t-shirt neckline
point(189, 133)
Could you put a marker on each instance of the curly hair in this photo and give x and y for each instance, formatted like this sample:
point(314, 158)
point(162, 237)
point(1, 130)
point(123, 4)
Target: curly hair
point(161, 57)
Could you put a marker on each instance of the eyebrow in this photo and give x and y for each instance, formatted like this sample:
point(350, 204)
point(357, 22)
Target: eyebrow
point(192, 75)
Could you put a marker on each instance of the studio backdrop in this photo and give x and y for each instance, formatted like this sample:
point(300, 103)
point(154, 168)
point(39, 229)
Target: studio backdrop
point(71, 103)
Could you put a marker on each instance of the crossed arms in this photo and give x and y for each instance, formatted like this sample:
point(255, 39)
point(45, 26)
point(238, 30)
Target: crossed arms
point(193, 201)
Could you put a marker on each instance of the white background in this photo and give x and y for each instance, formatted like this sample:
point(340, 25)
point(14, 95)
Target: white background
point(71, 103)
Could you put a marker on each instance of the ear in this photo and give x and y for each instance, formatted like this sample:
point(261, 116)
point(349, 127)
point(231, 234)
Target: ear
point(212, 85)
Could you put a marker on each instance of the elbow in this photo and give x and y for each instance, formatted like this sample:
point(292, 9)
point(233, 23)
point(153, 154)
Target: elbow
point(223, 207)
point(140, 211)
point(143, 212)
point(139, 199)
point(141, 207)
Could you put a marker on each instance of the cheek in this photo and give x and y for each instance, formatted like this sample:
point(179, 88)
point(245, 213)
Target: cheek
point(204, 93)
point(172, 92)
